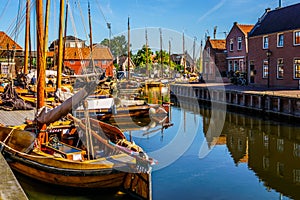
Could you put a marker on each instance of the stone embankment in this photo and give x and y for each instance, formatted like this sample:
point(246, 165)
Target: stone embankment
point(275, 102)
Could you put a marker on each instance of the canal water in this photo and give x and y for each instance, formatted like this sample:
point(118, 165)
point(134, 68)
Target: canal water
point(250, 158)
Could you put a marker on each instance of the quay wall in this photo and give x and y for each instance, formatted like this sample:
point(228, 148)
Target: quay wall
point(279, 104)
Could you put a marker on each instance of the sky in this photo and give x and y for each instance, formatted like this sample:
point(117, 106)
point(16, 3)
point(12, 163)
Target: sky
point(174, 21)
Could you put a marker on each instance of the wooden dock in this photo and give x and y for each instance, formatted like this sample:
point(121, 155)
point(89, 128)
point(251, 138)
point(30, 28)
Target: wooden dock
point(275, 102)
point(9, 186)
point(14, 118)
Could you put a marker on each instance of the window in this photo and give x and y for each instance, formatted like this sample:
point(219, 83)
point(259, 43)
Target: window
point(296, 175)
point(280, 169)
point(280, 68)
point(265, 69)
point(241, 65)
point(280, 39)
point(265, 42)
point(297, 68)
point(230, 65)
point(297, 150)
point(79, 45)
point(4, 69)
point(72, 44)
point(280, 145)
point(239, 44)
point(297, 38)
point(231, 45)
point(236, 65)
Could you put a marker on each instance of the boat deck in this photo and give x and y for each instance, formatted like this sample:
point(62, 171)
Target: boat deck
point(9, 186)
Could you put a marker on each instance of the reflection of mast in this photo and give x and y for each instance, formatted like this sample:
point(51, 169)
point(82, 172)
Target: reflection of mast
point(27, 36)
point(128, 77)
point(60, 45)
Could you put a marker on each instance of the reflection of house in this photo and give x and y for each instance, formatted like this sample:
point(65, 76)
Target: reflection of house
point(10, 55)
point(123, 63)
point(274, 48)
point(214, 60)
point(237, 47)
point(275, 158)
point(78, 59)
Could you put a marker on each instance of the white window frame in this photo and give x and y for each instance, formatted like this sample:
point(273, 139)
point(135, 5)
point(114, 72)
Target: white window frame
point(230, 65)
point(298, 37)
point(280, 41)
point(280, 63)
point(239, 43)
point(265, 42)
point(231, 44)
point(265, 70)
point(296, 65)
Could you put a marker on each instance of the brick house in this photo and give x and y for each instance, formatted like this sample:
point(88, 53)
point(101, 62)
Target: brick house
point(78, 59)
point(214, 60)
point(237, 47)
point(10, 55)
point(274, 48)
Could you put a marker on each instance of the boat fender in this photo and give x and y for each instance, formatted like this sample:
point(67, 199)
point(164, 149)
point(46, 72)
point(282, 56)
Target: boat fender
point(2, 147)
point(152, 111)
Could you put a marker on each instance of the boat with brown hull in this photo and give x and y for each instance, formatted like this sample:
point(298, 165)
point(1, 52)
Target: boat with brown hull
point(59, 163)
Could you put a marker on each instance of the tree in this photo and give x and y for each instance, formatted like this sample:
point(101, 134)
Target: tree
point(140, 58)
point(118, 45)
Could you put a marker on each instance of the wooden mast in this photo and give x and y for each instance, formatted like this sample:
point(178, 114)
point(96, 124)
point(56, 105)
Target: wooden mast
point(27, 29)
point(46, 31)
point(40, 55)
point(90, 26)
point(184, 59)
point(161, 56)
point(128, 46)
point(147, 59)
point(60, 44)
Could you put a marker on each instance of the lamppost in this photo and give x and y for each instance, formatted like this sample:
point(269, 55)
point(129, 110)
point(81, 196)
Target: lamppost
point(269, 53)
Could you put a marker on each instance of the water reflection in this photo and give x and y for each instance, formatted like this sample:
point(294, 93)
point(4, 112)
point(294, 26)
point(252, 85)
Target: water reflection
point(271, 149)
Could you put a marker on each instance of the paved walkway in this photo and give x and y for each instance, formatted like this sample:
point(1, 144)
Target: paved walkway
point(250, 89)
point(9, 186)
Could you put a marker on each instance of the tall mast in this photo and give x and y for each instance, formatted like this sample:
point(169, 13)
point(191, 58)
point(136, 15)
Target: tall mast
point(90, 25)
point(147, 61)
point(194, 47)
point(128, 77)
point(60, 44)
point(46, 30)
point(27, 29)
point(40, 55)
point(65, 34)
point(161, 57)
point(169, 58)
point(184, 59)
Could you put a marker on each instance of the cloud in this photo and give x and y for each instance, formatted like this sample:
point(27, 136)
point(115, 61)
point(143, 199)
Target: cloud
point(216, 7)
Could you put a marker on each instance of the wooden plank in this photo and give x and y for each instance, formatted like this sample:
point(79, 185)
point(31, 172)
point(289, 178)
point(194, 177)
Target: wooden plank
point(9, 186)
point(15, 118)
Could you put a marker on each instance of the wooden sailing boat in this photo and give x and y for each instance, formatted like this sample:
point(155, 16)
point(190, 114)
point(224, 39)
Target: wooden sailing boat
point(55, 152)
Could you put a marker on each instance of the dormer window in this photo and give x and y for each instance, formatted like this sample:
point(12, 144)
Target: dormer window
point(280, 39)
point(265, 42)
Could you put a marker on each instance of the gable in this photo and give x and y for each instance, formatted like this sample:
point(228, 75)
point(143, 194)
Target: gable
point(6, 40)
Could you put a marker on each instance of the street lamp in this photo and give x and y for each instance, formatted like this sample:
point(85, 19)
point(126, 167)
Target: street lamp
point(269, 53)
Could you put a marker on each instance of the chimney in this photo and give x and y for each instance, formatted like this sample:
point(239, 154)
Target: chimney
point(279, 6)
point(215, 32)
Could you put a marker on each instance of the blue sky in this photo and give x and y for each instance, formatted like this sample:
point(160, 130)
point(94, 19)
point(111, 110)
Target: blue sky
point(175, 17)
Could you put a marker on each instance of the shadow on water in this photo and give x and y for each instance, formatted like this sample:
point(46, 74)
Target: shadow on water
point(37, 190)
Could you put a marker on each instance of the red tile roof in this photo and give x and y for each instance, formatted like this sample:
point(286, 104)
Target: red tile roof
point(5, 39)
point(99, 53)
point(246, 28)
point(218, 44)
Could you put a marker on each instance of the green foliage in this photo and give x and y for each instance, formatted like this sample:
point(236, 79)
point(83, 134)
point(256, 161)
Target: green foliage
point(118, 45)
point(141, 57)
